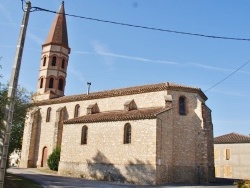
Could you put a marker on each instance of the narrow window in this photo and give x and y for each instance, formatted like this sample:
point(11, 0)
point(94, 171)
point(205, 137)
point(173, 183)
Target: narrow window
point(227, 154)
point(182, 106)
point(216, 154)
point(77, 110)
point(60, 84)
point(63, 64)
point(48, 115)
point(217, 170)
point(227, 171)
point(127, 134)
point(51, 82)
point(44, 61)
point(41, 83)
point(54, 61)
point(84, 135)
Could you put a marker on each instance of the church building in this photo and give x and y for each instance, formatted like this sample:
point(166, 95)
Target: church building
point(149, 134)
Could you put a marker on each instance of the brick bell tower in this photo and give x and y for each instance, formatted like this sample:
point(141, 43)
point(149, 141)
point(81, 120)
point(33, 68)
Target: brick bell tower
point(54, 60)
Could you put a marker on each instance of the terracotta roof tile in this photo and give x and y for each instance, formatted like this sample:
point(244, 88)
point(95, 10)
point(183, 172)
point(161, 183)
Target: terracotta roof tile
point(124, 91)
point(232, 138)
point(58, 31)
point(121, 115)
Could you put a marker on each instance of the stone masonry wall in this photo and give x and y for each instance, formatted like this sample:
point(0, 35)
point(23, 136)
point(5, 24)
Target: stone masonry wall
point(188, 144)
point(133, 162)
point(107, 104)
point(170, 148)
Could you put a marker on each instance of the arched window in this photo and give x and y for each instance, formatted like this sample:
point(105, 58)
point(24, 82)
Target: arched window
point(41, 83)
point(182, 106)
point(48, 114)
point(54, 61)
point(127, 134)
point(60, 84)
point(63, 64)
point(51, 82)
point(44, 61)
point(84, 135)
point(77, 110)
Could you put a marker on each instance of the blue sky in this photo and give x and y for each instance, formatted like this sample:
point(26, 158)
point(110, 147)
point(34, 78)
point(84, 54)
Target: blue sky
point(112, 56)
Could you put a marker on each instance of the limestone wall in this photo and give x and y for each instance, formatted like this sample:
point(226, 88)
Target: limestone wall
point(170, 148)
point(105, 150)
point(236, 165)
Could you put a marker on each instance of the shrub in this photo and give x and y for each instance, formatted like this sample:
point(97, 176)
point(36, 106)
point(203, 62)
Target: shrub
point(54, 158)
point(243, 183)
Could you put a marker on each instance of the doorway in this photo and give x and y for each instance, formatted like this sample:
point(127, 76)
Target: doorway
point(44, 157)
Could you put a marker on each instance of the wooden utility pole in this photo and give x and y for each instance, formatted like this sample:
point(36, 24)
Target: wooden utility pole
point(4, 142)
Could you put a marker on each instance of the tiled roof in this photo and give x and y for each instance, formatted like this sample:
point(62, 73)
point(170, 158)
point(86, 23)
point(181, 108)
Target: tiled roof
point(232, 138)
point(121, 115)
point(58, 31)
point(124, 91)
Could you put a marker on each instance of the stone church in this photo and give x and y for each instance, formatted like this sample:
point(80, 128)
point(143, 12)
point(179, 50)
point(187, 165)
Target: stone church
point(149, 134)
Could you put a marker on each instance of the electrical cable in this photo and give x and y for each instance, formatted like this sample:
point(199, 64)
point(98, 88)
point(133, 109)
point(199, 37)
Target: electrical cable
point(228, 76)
point(143, 27)
point(156, 29)
point(22, 6)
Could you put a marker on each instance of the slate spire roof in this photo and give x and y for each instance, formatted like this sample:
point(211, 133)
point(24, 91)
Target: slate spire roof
point(232, 138)
point(58, 31)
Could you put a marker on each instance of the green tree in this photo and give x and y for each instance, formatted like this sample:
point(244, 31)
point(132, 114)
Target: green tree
point(54, 158)
point(22, 102)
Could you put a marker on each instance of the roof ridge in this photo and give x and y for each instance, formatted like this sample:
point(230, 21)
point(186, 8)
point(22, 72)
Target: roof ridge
point(117, 115)
point(124, 91)
point(232, 138)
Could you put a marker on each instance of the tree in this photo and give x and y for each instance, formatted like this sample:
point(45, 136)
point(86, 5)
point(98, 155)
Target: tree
point(54, 158)
point(22, 102)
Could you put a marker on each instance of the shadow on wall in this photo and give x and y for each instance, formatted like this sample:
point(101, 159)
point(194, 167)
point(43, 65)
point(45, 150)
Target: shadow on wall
point(138, 172)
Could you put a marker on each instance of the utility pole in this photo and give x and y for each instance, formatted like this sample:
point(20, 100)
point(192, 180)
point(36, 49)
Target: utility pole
point(4, 143)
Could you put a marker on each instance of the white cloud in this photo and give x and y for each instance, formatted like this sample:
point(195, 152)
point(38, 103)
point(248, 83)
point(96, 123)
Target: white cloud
point(6, 14)
point(35, 38)
point(230, 93)
point(78, 74)
point(102, 50)
point(108, 54)
point(215, 68)
point(6, 46)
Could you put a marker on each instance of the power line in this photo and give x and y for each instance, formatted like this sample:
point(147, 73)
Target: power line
point(33, 9)
point(228, 76)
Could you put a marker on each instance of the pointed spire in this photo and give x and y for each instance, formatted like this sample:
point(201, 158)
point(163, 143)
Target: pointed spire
point(58, 31)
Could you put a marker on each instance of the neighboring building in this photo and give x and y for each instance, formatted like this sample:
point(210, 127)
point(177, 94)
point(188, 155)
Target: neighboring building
point(232, 154)
point(149, 134)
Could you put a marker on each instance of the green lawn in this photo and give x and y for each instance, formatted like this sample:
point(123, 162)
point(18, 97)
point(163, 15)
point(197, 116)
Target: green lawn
point(13, 181)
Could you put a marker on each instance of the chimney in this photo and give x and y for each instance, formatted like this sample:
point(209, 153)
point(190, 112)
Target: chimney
point(88, 85)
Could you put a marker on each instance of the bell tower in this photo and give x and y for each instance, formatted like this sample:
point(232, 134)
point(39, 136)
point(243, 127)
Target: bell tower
point(54, 60)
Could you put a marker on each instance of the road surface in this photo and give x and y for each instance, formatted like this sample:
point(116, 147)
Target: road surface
point(54, 181)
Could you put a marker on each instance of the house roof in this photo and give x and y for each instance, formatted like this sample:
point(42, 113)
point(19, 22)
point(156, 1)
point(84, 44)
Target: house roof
point(119, 115)
point(232, 138)
point(58, 31)
point(123, 92)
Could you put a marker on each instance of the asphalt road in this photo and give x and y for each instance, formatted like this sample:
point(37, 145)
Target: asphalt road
point(55, 181)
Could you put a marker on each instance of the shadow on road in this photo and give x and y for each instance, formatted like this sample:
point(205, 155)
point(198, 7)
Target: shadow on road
point(55, 181)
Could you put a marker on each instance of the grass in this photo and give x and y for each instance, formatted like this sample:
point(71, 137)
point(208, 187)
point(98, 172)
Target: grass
point(14, 181)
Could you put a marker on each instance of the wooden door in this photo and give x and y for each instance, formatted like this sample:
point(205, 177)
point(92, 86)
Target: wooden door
point(44, 157)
